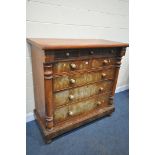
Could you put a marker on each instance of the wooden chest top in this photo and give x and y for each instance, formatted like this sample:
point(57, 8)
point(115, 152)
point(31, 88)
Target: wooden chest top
point(48, 43)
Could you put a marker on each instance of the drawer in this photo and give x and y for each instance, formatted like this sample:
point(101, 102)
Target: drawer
point(96, 63)
point(79, 79)
point(106, 52)
point(66, 54)
point(79, 108)
point(68, 66)
point(79, 93)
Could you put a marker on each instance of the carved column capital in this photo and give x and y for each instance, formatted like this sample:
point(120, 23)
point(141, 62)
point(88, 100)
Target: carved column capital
point(48, 72)
point(118, 64)
point(122, 52)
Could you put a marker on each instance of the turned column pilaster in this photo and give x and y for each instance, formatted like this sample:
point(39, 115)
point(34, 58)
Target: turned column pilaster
point(117, 65)
point(48, 75)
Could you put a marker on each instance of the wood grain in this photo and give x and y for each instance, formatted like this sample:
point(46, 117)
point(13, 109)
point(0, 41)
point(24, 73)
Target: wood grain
point(38, 81)
point(79, 93)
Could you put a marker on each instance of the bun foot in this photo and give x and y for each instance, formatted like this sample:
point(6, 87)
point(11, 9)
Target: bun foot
point(48, 141)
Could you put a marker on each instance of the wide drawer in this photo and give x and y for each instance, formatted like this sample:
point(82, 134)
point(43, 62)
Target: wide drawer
point(77, 65)
point(79, 93)
point(79, 108)
point(79, 79)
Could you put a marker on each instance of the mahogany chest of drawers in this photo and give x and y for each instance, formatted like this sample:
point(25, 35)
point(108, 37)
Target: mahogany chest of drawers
point(74, 81)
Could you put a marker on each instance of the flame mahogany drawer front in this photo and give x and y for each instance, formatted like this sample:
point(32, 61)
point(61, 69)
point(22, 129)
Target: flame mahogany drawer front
point(82, 78)
point(74, 81)
point(83, 107)
point(79, 93)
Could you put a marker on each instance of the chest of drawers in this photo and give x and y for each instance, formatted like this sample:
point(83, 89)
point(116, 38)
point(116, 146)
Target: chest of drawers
point(74, 81)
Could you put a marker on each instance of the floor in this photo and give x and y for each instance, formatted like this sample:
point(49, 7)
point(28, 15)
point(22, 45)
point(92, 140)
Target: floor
point(106, 136)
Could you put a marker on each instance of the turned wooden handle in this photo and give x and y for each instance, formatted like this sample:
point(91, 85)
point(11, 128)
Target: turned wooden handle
point(71, 97)
point(99, 103)
point(73, 66)
point(103, 75)
point(67, 54)
point(105, 62)
point(70, 113)
point(92, 52)
point(101, 89)
point(72, 81)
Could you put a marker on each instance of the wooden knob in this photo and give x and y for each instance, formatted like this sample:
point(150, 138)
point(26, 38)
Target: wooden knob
point(92, 52)
point(103, 75)
point(105, 62)
point(112, 51)
point(73, 66)
point(72, 81)
point(67, 54)
point(101, 89)
point(70, 113)
point(71, 97)
point(99, 103)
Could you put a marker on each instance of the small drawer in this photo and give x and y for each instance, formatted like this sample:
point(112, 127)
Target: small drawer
point(66, 54)
point(79, 79)
point(68, 66)
point(109, 52)
point(96, 63)
point(106, 52)
point(80, 93)
point(67, 112)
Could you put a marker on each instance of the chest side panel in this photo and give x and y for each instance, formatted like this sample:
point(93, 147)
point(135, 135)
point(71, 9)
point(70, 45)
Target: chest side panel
point(38, 80)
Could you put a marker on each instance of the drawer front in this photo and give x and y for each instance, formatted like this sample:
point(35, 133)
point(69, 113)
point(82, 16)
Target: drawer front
point(96, 63)
point(69, 66)
point(66, 54)
point(79, 108)
point(79, 93)
point(79, 79)
point(86, 106)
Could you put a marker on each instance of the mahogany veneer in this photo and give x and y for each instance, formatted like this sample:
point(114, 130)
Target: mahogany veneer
point(74, 81)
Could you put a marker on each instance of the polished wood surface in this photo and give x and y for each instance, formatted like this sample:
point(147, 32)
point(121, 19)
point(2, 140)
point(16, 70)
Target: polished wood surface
point(38, 81)
point(74, 81)
point(47, 43)
point(79, 93)
point(82, 78)
point(82, 64)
